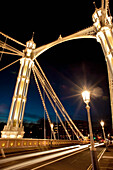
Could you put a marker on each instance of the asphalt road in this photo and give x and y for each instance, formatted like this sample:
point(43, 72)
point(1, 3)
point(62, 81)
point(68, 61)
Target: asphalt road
point(68, 158)
point(79, 161)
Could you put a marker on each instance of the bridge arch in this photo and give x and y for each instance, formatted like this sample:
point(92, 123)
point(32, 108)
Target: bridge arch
point(86, 33)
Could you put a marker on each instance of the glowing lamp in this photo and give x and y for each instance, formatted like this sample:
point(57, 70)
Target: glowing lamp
point(86, 96)
point(102, 123)
point(52, 125)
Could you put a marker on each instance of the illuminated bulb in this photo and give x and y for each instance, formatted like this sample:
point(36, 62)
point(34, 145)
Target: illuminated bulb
point(86, 96)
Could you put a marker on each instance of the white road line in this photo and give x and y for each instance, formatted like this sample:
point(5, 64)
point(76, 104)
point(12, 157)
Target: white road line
point(99, 157)
point(107, 157)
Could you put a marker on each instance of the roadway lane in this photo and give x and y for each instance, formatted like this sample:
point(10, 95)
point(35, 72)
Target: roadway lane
point(78, 161)
point(52, 159)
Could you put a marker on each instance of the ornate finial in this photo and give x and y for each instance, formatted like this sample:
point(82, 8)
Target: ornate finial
point(60, 37)
point(30, 44)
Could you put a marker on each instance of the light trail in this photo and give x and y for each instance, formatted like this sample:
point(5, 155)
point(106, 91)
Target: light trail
point(36, 154)
point(69, 150)
point(98, 144)
point(44, 158)
point(59, 159)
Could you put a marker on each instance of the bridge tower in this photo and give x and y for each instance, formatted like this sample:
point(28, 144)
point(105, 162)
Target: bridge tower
point(104, 34)
point(14, 127)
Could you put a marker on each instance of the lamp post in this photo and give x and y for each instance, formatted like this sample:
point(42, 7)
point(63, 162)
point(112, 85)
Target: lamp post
point(102, 124)
point(86, 98)
point(51, 129)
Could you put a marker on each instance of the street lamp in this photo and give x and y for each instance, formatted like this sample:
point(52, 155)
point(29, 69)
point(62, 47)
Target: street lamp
point(51, 129)
point(102, 124)
point(86, 98)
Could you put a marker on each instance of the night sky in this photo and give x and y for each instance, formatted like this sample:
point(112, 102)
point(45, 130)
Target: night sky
point(69, 66)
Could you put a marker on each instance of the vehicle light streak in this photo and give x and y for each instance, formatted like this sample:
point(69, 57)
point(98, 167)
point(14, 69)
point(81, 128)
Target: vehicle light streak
point(59, 159)
point(48, 157)
point(36, 154)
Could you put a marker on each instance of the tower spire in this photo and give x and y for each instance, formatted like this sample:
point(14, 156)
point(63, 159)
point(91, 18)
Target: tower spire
point(32, 36)
point(94, 5)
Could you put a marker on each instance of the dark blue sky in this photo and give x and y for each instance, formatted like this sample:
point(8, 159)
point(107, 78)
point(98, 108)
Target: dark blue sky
point(69, 66)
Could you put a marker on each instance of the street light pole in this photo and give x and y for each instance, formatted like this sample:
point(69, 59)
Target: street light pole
point(106, 144)
point(102, 124)
point(86, 98)
point(51, 130)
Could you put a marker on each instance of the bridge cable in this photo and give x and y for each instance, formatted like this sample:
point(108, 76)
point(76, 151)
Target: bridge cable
point(44, 116)
point(59, 105)
point(48, 89)
point(10, 48)
point(43, 102)
point(10, 64)
point(41, 81)
point(4, 52)
point(3, 49)
point(58, 101)
point(12, 39)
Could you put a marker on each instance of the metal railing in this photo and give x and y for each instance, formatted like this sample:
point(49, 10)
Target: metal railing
point(38, 143)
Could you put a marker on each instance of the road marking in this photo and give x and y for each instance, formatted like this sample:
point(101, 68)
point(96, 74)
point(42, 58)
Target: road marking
point(101, 154)
point(99, 157)
point(90, 167)
point(108, 157)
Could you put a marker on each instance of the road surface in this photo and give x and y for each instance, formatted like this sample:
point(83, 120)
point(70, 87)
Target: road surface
point(68, 158)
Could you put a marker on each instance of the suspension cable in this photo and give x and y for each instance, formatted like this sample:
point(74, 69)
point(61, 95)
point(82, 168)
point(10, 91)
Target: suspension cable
point(8, 47)
point(10, 64)
point(61, 106)
point(3, 49)
point(12, 39)
point(52, 96)
point(44, 88)
point(43, 102)
point(58, 101)
point(4, 52)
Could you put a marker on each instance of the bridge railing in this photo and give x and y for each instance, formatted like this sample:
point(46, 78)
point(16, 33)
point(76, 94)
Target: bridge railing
point(38, 143)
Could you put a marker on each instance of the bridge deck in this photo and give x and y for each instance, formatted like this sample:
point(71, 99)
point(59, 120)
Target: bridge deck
point(36, 143)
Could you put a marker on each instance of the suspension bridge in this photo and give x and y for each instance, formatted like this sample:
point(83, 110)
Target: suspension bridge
point(101, 30)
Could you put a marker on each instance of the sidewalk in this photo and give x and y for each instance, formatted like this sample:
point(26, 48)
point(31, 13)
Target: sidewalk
point(106, 162)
